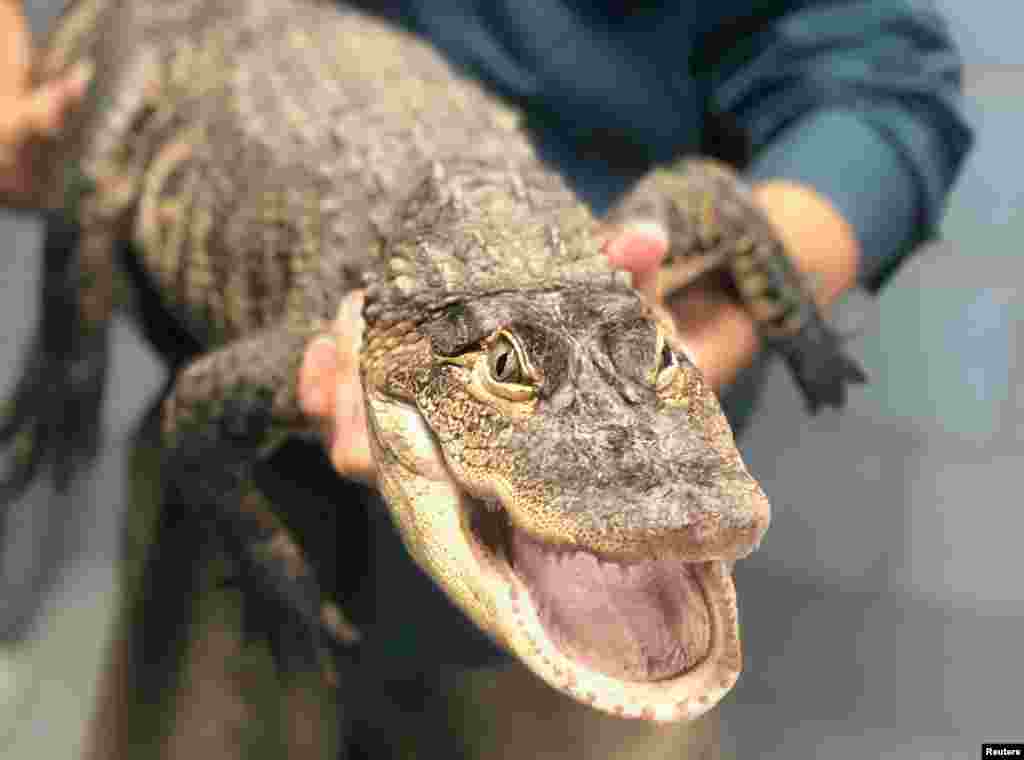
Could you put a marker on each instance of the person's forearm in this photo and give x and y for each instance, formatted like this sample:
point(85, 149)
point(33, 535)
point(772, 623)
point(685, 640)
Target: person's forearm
point(814, 234)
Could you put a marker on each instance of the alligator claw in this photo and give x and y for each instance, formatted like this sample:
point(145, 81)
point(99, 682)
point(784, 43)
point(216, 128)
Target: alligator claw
point(52, 418)
point(24, 464)
point(283, 609)
point(51, 422)
point(820, 368)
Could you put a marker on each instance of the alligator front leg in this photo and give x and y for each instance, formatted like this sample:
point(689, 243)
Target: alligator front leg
point(228, 409)
point(714, 223)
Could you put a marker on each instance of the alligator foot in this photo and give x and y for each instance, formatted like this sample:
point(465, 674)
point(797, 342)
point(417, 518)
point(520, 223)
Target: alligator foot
point(819, 366)
point(53, 416)
point(224, 415)
point(282, 599)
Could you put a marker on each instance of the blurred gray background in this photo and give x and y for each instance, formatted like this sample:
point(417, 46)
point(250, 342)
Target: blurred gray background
point(883, 616)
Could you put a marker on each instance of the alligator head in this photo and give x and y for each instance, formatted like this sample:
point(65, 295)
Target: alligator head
point(550, 456)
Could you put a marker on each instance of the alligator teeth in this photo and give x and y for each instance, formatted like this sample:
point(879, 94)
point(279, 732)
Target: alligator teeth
point(491, 504)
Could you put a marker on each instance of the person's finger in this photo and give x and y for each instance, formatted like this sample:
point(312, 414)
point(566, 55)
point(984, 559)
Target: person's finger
point(317, 377)
point(75, 85)
point(48, 106)
point(349, 441)
point(638, 247)
point(716, 333)
point(329, 392)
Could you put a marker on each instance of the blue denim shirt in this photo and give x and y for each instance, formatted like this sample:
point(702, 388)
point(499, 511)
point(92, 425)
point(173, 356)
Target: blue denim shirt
point(859, 99)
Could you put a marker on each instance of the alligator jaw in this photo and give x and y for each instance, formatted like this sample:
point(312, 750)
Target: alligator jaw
point(528, 632)
point(458, 540)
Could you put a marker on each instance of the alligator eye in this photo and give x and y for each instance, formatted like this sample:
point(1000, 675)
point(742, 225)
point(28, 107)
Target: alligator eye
point(503, 361)
point(506, 372)
point(668, 366)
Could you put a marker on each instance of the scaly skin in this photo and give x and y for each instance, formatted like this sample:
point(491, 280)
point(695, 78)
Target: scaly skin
point(267, 158)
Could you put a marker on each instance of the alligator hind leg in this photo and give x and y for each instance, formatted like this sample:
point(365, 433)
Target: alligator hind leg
point(52, 418)
point(283, 600)
point(225, 413)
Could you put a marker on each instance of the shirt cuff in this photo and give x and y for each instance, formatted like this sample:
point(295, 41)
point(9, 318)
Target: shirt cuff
point(846, 159)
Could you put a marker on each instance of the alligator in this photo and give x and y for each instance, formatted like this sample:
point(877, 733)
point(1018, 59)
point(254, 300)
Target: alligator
point(547, 450)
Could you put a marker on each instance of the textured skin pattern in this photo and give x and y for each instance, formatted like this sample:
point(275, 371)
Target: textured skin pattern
point(253, 204)
point(268, 157)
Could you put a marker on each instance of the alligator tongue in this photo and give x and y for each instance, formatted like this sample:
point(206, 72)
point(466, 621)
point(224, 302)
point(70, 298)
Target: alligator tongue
point(638, 621)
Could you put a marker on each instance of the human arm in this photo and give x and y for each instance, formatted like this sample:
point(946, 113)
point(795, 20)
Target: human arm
point(857, 132)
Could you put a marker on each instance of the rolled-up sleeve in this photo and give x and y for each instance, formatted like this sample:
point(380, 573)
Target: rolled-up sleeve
point(861, 101)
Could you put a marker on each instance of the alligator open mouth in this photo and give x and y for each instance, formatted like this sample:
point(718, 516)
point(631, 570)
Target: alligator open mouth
point(651, 638)
point(655, 639)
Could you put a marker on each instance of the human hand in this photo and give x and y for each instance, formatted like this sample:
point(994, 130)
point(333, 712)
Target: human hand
point(330, 391)
point(718, 336)
point(29, 116)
